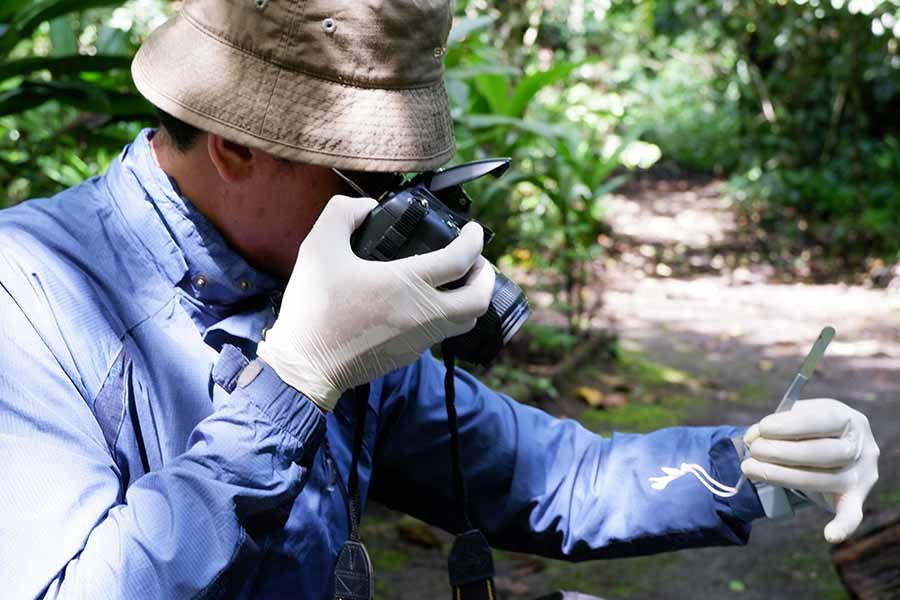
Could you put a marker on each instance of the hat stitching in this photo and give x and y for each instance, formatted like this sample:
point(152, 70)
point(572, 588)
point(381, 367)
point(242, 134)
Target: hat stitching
point(282, 64)
point(274, 142)
point(281, 42)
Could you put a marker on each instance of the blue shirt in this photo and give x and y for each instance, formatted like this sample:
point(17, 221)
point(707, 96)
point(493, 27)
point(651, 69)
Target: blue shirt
point(134, 466)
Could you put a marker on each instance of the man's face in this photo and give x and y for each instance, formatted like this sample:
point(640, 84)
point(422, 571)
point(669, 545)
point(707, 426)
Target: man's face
point(275, 206)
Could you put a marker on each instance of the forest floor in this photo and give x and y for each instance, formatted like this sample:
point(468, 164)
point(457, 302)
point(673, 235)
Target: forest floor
point(708, 333)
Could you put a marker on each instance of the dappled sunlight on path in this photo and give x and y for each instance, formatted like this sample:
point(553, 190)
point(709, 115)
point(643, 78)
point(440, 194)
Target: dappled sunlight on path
point(716, 309)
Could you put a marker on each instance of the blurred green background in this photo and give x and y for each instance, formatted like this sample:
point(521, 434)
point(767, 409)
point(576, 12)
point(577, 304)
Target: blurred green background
point(794, 102)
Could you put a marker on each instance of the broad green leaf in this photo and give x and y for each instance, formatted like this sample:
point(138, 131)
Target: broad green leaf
point(27, 20)
point(129, 106)
point(471, 71)
point(31, 95)
point(63, 37)
point(529, 87)
point(63, 65)
point(10, 7)
point(502, 121)
point(77, 94)
point(494, 89)
point(600, 194)
point(112, 41)
point(609, 164)
point(464, 27)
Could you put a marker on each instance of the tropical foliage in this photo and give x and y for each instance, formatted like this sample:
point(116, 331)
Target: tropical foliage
point(796, 101)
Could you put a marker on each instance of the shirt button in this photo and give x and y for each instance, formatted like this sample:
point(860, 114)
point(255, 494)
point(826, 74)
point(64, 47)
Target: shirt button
point(200, 281)
point(244, 285)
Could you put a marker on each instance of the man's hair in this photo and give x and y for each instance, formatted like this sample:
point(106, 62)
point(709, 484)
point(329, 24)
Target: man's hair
point(181, 135)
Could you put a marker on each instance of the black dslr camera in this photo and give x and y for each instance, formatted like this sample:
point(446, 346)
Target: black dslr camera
point(425, 214)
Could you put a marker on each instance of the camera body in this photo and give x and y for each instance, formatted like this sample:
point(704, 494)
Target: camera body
point(426, 214)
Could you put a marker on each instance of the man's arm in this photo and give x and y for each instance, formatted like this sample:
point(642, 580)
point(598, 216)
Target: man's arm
point(69, 530)
point(548, 486)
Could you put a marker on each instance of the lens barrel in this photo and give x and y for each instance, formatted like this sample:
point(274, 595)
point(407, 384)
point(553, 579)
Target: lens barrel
point(507, 313)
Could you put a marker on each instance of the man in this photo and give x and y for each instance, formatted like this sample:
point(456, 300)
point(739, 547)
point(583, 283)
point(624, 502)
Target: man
point(171, 428)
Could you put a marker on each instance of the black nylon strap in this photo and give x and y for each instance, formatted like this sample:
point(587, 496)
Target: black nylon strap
point(361, 400)
point(459, 482)
point(354, 578)
point(470, 565)
point(479, 590)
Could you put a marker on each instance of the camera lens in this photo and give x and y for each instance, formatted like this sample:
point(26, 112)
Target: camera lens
point(508, 312)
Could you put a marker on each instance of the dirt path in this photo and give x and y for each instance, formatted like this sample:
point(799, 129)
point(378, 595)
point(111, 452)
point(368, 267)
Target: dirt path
point(688, 292)
point(744, 337)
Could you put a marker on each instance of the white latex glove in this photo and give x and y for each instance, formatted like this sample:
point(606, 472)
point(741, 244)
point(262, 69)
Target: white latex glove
point(346, 321)
point(822, 448)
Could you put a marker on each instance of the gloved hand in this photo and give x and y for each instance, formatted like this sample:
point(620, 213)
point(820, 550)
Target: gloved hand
point(345, 321)
point(819, 446)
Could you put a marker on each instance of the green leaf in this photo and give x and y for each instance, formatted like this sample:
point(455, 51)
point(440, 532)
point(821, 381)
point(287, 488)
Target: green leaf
point(472, 71)
point(494, 89)
point(462, 28)
point(78, 94)
point(11, 7)
point(600, 170)
point(112, 41)
point(529, 87)
point(33, 14)
point(63, 37)
point(63, 65)
point(31, 95)
point(600, 194)
point(502, 121)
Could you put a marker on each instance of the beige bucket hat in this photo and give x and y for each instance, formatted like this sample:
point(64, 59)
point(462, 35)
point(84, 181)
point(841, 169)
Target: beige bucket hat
point(349, 84)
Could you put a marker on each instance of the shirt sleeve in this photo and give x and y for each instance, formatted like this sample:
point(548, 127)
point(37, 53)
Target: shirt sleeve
point(547, 486)
point(69, 530)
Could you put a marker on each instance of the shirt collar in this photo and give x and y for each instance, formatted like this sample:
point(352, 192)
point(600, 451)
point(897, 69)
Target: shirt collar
point(211, 270)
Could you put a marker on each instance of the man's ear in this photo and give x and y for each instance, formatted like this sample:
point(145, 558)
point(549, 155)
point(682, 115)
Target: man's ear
point(234, 162)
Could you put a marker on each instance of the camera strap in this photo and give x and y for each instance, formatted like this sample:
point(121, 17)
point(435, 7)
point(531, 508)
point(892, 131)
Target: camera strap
point(470, 565)
point(354, 577)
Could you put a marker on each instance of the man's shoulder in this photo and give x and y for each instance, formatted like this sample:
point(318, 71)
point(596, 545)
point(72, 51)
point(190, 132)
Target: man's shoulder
point(61, 225)
point(59, 265)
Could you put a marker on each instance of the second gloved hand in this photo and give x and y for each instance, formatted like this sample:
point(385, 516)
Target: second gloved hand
point(346, 321)
point(820, 447)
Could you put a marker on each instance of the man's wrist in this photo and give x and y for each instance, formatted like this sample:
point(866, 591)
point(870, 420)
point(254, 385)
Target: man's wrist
point(725, 465)
point(322, 396)
point(304, 422)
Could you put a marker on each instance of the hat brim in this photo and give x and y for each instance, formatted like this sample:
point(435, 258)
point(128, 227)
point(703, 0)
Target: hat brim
point(221, 89)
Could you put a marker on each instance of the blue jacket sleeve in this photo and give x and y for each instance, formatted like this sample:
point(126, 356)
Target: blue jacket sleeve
point(70, 531)
point(547, 486)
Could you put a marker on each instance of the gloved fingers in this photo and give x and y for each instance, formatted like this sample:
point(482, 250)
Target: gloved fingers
point(450, 263)
point(343, 214)
point(751, 435)
point(848, 516)
point(809, 419)
point(808, 479)
point(474, 298)
point(455, 328)
point(822, 453)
